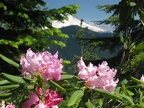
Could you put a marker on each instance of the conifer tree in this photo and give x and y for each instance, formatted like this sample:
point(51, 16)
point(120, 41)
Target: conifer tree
point(27, 23)
point(127, 43)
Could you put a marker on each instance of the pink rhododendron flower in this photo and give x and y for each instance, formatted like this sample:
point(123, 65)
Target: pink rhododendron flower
point(46, 64)
point(8, 106)
point(51, 100)
point(142, 78)
point(101, 76)
point(86, 72)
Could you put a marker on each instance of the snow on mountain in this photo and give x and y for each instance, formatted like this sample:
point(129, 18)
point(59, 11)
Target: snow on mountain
point(75, 21)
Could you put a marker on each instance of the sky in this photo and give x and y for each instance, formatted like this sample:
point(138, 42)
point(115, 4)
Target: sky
point(88, 11)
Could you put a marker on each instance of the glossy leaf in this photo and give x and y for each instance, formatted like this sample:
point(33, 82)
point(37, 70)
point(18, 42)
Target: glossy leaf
point(3, 82)
point(66, 62)
point(7, 87)
point(126, 99)
point(78, 94)
point(89, 104)
point(136, 80)
point(57, 85)
point(63, 82)
point(3, 6)
point(117, 90)
point(65, 77)
point(121, 37)
point(141, 96)
point(5, 95)
point(140, 46)
point(14, 79)
point(9, 61)
point(108, 94)
point(132, 4)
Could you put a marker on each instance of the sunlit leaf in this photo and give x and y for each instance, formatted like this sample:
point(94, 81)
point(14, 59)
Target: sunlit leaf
point(121, 37)
point(126, 99)
point(5, 95)
point(65, 77)
point(108, 94)
point(89, 104)
point(78, 94)
point(3, 6)
point(3, 82)
point(8, 87)
point(140, 46)
point(14, 79)
point(136, 80)
point(57, 85)
point(132, 4)
point(9, 61)
point(66, 62)
point(141, 96)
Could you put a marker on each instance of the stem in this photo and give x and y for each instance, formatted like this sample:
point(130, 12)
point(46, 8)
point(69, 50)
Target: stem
point(104, 103)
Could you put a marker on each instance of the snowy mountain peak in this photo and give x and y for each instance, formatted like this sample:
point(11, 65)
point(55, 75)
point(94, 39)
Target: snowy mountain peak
point(75, 21)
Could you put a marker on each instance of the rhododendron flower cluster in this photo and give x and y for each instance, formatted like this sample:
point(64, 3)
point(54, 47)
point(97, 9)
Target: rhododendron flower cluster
point(46, 64)
point(8, 106)
point(51, 100)
point(101, 76)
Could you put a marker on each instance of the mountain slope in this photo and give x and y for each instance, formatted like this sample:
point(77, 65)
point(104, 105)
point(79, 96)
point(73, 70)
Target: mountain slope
point(73, 47)
point(75, 21)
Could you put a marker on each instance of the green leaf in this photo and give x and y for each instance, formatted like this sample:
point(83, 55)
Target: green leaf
point(126, 99)
point(124, 81)
point(141, 97)
point(140, 46)
point(108, 94)
point(136, 80)
point(126, 91)
point(141, 15)
point(9, 61)
point(75, 97)
point(3, 6)
point(132, 4)
point(7, 87)
point(57, 85)
point(5, 95)
point(121, 37)
point(117, 90)
point(25, 16)
point(14, 79)
point(65, 77)
point(3, 82)
point(56, 42)
point(63, 82)
point(130, 93)
point(89, 104)
point(9, 42)
point(66, 62)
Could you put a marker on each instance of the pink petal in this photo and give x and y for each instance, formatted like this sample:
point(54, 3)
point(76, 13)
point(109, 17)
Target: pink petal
point(81, 64)
point(10, 106)
point(55, 106)
point(40, 105)
point(33, 98)
point(39, 91)
point(3, 104)
point(142, 78)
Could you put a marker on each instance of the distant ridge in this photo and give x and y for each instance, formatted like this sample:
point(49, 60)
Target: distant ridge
point(75, 21)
